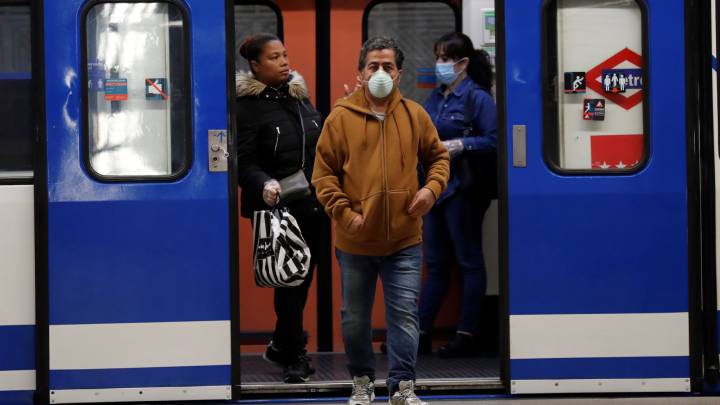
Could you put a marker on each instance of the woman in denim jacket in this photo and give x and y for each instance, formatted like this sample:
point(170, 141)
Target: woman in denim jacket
point(463, 110)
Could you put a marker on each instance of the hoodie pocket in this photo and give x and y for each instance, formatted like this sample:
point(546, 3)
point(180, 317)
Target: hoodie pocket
point(371, 208)
point(402, 225)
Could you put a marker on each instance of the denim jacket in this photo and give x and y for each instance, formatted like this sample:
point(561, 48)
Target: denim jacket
point(448, 115)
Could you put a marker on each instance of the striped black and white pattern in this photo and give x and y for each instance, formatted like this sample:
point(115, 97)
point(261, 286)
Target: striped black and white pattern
point(281, 258)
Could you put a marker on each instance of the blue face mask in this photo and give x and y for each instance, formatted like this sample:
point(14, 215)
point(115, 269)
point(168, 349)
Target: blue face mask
point(445, 72)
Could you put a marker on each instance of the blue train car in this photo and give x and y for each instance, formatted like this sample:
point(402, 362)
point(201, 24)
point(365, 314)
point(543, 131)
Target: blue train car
point(124, 268)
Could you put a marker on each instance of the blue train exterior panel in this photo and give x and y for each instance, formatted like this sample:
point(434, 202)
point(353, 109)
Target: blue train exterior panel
point(598, 266)
point(139, 291)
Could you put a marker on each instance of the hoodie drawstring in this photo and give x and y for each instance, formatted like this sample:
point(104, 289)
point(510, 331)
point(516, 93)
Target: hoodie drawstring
point(365, 132)
point(399, 135)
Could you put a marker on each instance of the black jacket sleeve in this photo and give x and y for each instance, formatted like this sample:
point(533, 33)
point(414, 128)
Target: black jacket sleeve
point(251, 177)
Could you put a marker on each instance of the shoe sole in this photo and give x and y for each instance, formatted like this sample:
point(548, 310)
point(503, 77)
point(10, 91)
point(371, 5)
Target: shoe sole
point(296, 380)
point(372, 398)
point(280, 365)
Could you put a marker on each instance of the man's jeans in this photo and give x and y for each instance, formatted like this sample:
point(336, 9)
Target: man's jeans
point(400, 275)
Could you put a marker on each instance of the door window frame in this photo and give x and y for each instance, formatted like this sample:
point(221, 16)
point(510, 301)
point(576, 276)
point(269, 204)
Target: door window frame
point(270, 4)
point(551, 91)
point(373, 3)
point(189, 135)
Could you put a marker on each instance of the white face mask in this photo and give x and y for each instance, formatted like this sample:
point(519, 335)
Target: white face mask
point(380, 84)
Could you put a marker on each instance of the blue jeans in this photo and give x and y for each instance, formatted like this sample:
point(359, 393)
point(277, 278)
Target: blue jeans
point(400, 276)
point(453, 231)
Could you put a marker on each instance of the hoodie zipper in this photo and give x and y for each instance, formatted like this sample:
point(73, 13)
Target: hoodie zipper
point(385, 179)
point(277, 139)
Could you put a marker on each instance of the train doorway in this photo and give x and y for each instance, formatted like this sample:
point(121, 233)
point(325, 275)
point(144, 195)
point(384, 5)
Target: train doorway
point(323, 41)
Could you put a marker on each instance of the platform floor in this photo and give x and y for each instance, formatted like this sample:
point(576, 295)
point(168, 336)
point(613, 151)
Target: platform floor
point(261, 377)
point(262, 383)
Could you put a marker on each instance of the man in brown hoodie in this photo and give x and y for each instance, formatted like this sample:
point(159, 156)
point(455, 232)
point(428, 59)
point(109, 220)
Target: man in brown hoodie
point(367, 179)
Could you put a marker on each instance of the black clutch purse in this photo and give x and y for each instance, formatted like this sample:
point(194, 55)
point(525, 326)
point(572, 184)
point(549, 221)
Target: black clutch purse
point(294, 187)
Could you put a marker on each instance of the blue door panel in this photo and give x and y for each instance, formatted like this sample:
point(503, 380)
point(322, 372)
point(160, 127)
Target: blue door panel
point(161, 266)
point(617, 264)
point(587, 244)
point(151, 254)
point(94, 224)
point(573, 222)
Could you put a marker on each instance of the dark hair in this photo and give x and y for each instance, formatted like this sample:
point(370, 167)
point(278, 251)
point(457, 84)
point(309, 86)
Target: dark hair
point(456, 45)
point(253, 45)
point(377, 44)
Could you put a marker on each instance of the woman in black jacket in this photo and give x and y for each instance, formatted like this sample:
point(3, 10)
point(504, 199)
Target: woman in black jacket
point(277, 131)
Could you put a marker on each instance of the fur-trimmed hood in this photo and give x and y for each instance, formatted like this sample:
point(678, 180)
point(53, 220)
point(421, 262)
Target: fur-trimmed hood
point(247, 85)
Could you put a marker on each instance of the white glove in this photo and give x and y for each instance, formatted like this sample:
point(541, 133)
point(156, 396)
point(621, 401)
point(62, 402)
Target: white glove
point(454, 146)
point(271, 192)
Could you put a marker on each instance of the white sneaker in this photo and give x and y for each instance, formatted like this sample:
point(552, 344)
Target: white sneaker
point(405, 395)
point(363, 392)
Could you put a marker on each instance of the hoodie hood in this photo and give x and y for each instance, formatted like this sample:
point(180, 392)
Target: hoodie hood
point(357, 101)
point(247, 85)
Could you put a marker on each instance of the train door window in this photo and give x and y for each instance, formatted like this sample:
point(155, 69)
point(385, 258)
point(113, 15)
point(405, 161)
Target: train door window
point(416, 26)
point(595, 109)
point(16, 108)
point(252, 18)
point(137, 97)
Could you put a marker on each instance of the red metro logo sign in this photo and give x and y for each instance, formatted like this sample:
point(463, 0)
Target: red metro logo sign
point(598, 83)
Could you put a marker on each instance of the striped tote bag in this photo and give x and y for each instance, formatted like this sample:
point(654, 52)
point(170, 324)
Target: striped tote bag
point(281, 258)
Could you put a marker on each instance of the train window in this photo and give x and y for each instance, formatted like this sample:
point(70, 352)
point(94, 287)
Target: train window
point(16, 106)
point(252, 18)
point(595, 108)
point(416, 26)
point(138, 94)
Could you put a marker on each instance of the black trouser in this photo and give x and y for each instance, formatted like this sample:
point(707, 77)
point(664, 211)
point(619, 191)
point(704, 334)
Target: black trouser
point(290, 302)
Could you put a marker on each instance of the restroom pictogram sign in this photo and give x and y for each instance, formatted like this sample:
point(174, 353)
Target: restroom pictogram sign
point(594, 79)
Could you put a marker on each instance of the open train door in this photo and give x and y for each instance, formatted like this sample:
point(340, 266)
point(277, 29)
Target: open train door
point(596, 204)
point(137, 273)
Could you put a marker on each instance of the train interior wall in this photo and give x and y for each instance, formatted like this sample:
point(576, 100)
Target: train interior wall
point(256, 304)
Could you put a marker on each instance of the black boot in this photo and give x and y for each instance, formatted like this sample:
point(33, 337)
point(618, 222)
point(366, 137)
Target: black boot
point(277, 356)
point(462, 345)
point(299, 371)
